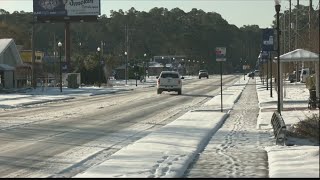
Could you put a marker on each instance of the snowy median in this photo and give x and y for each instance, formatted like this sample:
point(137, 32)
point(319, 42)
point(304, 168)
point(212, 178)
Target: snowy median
point(167, 152)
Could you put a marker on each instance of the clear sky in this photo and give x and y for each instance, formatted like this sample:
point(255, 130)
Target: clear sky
point(238, 12)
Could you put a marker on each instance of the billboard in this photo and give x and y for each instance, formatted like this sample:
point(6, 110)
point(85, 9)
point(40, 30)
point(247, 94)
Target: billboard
point(66, 7)
point(267, 40)
point(221, 54)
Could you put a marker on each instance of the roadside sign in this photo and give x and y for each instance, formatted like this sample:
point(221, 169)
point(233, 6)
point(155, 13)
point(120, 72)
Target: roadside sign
point(221, 54)
point(268, 40)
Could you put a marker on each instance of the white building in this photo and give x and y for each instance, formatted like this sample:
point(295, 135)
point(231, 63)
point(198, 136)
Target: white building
point(9, 60)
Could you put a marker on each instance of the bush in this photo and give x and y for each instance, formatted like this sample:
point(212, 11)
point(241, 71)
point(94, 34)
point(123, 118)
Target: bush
point(308, 128)
point(311, 82)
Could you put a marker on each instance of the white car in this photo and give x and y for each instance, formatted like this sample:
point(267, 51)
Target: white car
point(169, 81)
point(304, 74)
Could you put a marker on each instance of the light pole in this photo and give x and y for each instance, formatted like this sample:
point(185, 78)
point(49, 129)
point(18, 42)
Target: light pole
point(193, 66)
point(267, 74)
point(244, 71)
point(60, 72)
point(189, 67)
point(144, 67)
point(99, 63)
point(126, 71)
point(277, 8)
point(172, 64)
point(270, 74)
point(183, 66)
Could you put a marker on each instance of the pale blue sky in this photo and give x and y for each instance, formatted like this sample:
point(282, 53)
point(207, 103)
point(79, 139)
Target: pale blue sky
point(238, 12)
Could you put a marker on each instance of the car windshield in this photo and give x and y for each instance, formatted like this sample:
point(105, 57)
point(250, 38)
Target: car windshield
point(169, 75)
point(121, 88)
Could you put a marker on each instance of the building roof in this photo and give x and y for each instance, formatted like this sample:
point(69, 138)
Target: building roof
point(6, 44)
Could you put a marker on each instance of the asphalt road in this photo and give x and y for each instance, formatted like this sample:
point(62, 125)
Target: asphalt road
point(65, 138)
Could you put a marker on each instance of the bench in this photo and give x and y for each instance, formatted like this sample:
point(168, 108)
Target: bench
point(279, 128)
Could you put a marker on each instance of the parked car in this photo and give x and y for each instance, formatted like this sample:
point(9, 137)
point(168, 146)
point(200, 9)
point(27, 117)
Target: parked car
point(169, 81)
point(256, 72)
point(251, 74)
point(304, 74)
point(292, 77)
point(203, 73)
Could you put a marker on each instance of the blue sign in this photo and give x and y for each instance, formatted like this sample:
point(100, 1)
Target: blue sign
point(267, 40)
point(264, 55)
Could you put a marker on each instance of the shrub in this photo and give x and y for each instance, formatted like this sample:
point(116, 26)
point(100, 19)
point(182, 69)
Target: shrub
point(311, 82)
point(308, 128)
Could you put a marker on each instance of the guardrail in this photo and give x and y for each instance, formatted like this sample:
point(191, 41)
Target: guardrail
point(279, 128)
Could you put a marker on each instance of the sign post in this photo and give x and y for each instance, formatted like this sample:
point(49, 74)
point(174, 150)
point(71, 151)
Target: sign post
point(268, 46)
point(221, 57)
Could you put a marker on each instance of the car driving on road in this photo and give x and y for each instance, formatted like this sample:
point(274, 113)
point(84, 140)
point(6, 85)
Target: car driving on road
point(169, 81)
point(203, 73)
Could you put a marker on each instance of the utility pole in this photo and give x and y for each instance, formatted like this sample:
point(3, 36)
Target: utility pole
point(284, 32)
point(54, 54)
point(296, 40)
point(127, 51)
point(34, 83)
point(127, 44)
point(101, 60)
point(289, 31)
point(310, 9)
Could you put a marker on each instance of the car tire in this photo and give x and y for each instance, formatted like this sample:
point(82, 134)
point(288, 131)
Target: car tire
point(179, 92)
point(207, 77)
point(199, 77)
point(159, 91)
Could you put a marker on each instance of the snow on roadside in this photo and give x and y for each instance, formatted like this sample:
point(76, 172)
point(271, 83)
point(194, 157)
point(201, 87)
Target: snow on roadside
point(293, 161)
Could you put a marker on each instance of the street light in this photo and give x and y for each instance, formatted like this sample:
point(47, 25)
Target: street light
point(189, 67)
point(99, 63)
point(144, 67)
point(277, 8)
point(60, 72)
point(126, 72)
point(172, 63)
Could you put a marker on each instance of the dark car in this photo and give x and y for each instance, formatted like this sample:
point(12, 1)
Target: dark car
point(203, 73)
point(292, 77)
point(251, 74)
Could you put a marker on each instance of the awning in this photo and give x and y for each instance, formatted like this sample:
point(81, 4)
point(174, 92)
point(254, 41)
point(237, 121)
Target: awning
point(5, 67)
point(300, 55)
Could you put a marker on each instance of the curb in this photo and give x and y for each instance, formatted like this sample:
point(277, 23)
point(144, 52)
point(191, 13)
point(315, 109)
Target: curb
point(45, 101)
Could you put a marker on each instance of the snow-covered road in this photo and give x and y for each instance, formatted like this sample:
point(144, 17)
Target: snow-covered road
point(64, 139)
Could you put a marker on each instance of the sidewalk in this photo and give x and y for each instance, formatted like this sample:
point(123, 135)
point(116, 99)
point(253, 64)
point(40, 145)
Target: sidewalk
point(302, 159)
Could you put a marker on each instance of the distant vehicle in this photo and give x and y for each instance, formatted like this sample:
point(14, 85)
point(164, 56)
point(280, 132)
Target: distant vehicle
point(304, 74)
point(251, 74)
point(51, 83)
point(203, 73)
point(292, 77)
point(169, 81)
point(256, 72)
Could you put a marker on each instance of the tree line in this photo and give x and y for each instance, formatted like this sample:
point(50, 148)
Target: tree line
point(160, 31)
